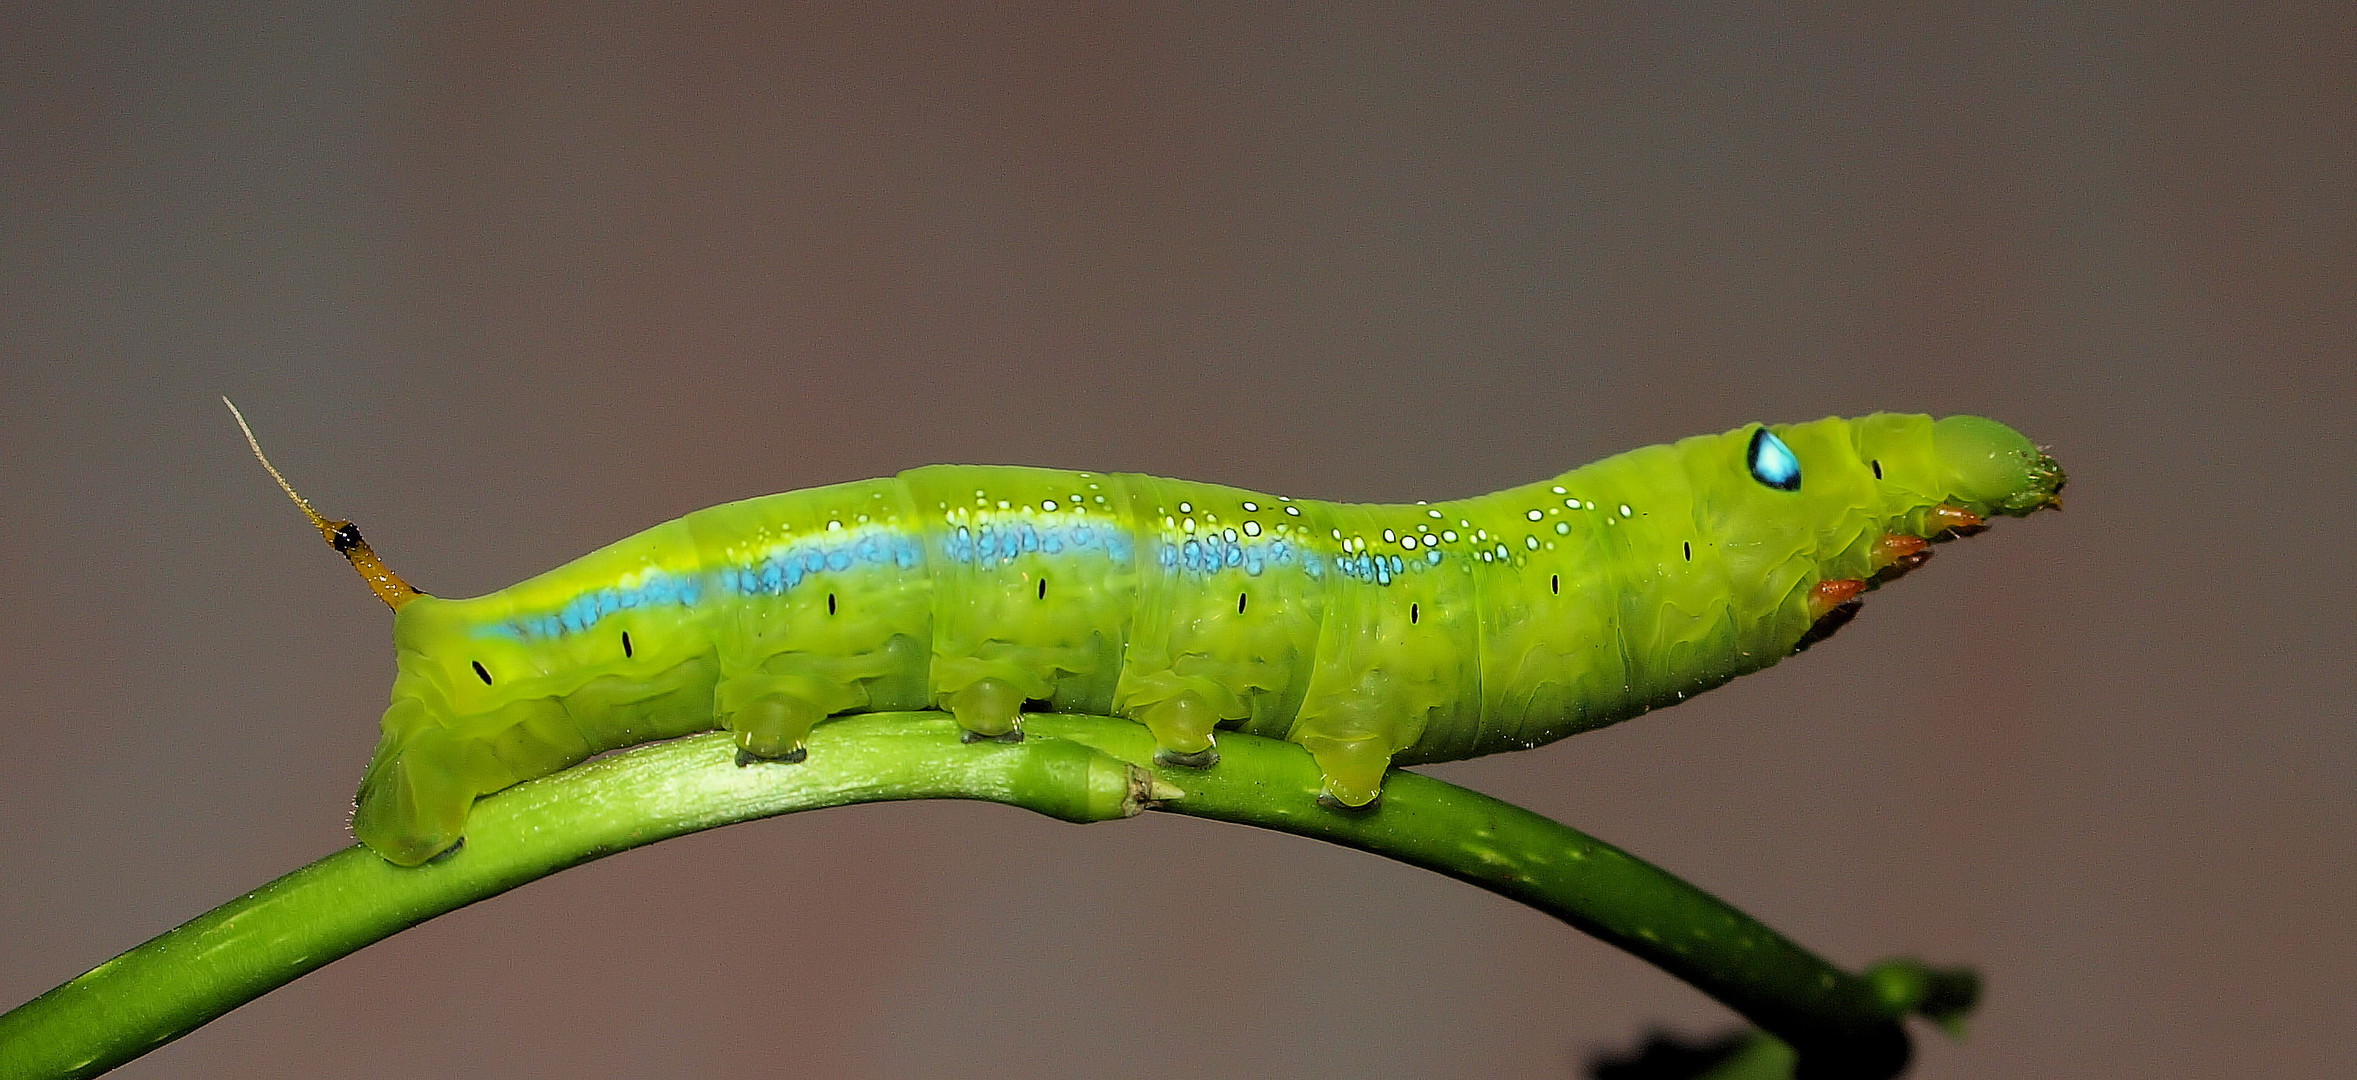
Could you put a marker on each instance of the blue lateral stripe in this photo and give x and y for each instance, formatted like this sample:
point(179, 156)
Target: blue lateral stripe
point(1380, 569)
point(1212, 553)
point(584, 611)
point(777, 573)
point(1000, 542)
point(785, 568)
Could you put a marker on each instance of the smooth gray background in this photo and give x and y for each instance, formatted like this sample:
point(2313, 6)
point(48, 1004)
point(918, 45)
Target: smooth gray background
point(506, 283)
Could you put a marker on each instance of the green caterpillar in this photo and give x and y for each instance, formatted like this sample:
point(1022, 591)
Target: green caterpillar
point(1372, 635)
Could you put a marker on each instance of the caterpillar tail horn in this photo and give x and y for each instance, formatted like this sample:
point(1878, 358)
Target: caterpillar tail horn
point(340, 535)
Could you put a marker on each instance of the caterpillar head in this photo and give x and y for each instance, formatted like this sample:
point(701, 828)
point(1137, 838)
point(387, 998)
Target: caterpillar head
point(1988, 468)
point(1831, 508)
point(1930, 475)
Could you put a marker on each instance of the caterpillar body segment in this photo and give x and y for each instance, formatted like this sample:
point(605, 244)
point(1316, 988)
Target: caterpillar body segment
point(1368, 634)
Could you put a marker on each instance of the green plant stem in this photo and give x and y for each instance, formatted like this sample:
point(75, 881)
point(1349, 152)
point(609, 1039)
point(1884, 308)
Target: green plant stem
point(1070, 767)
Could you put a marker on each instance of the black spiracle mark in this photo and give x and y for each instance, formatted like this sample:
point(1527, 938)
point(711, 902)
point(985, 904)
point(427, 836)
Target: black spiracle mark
point(1877, 468)
point(1043, 588)
point(480, 673)
point(1555, 584)
point(626, 645)
point(1689, 551)
point(830, 603)
point(1240, 597)
point(1413, 613)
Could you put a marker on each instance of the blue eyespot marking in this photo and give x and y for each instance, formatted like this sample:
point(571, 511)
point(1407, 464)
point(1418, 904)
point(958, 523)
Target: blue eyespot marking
point(1772, 463)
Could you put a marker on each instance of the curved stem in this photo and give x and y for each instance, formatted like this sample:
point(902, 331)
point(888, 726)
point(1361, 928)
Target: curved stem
point(1072, 767)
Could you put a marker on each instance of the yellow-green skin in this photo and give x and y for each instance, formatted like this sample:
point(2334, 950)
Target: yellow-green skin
point(1369, 634)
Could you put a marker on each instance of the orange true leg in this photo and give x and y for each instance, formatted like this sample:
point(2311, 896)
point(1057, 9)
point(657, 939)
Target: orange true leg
point(1898, 553)
point(1832, 594)
point(1948, 521)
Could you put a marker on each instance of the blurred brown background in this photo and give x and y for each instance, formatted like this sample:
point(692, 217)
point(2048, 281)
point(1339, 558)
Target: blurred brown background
point(506, 284)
